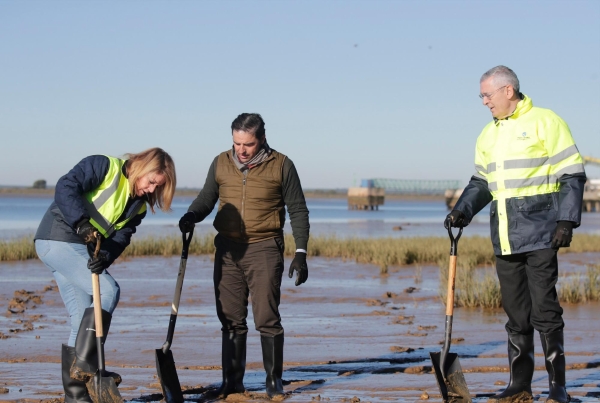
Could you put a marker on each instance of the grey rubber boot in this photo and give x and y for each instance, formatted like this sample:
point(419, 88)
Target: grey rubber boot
point(522, 364)
point(554, 353)
point(272, 350)
point(233, 359)
point(85, 364)
point(75, 391)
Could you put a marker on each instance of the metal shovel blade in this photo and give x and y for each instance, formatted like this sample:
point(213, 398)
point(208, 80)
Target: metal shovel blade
point(103, 389)
point(454, 387)
point(167, 376)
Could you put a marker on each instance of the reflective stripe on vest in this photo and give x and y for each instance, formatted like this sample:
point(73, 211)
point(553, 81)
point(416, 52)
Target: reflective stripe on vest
point(107, 202)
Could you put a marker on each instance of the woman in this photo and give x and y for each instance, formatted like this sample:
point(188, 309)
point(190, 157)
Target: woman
point(106, 195)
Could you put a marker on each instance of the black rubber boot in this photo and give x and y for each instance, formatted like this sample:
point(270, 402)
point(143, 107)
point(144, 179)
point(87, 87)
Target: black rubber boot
point(522, 364)
point(233, 358)
point(554, 352)
point(75, 391)
point(272, 350)
point(86, 355)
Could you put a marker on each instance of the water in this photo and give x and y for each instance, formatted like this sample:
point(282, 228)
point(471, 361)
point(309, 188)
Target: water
point(20, 216)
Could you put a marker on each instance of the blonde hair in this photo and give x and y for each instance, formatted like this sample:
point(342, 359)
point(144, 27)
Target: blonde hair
point(153, 160)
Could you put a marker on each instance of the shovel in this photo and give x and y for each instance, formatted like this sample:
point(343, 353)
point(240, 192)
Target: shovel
point(102, 388)
point(165, 365)
point(448, 372)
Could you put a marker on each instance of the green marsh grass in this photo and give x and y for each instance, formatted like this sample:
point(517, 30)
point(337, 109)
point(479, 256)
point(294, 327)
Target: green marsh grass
point(169, 246)
point(474, 287)
point(479, 287)
point(383, 252)
point(580, 287)
point(476, 283)
point(17, 249)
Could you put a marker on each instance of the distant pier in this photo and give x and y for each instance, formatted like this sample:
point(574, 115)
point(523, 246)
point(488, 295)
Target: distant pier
point(371, 193)
point(365, 198)
point(591, 196)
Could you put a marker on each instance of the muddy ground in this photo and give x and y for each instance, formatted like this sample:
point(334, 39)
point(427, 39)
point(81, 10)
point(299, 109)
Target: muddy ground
point(351, 335)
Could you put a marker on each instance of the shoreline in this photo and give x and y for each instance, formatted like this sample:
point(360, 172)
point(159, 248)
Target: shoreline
point(191, 192)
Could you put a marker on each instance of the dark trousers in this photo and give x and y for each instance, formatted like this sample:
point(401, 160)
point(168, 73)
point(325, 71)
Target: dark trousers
point(255, 270)
point(529, 298)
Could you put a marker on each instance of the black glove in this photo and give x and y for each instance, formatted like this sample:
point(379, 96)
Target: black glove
point(299, 264)
point(187, 222)
point(562, 234)
point(456, 219)
point(98, 264)
point(87, 232)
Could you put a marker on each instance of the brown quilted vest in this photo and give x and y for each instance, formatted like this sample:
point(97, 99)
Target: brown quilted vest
point(251, 207)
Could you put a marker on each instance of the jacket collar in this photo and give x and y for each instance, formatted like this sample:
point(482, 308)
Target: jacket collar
point(522, 108)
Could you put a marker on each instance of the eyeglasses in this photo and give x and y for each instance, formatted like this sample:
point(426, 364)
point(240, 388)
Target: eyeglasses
point(489, 96)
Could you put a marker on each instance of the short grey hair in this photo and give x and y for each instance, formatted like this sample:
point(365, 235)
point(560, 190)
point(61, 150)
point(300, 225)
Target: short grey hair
point(502, 75)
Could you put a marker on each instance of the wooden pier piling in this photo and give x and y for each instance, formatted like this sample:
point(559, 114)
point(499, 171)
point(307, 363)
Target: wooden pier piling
point(365, 198)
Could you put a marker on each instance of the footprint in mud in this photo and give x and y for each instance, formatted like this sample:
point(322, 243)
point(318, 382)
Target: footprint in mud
point(414, 334)
point(380, 313)
point(254, 396)
point(399, 349)
point(23, 301)
point(454, 340)
point(404, 320)
point(376, 302)
point(418, 369)
point(27, 326)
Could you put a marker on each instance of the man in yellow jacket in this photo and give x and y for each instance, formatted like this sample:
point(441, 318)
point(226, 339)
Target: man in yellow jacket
point(528, 166)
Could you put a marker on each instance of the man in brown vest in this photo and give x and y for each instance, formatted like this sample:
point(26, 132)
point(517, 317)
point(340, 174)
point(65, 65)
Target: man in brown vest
point(254, 184)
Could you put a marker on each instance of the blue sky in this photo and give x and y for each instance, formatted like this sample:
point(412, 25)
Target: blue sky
point(348, 89)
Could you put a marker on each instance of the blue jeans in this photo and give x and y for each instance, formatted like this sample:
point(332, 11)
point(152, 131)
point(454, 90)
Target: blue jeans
point(68, 262)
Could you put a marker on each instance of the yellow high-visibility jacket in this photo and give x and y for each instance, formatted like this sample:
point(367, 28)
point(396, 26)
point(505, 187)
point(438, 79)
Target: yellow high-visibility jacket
point(95, 189)
point(529, 167)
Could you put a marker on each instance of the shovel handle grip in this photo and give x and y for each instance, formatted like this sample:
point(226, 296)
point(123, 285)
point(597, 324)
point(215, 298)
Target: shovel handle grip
point(454, 240)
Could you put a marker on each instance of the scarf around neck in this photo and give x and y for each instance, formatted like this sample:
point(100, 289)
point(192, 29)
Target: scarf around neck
point(261, 155)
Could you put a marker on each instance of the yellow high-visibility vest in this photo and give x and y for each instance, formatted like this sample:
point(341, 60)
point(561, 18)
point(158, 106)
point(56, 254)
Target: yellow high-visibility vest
point(106, 203)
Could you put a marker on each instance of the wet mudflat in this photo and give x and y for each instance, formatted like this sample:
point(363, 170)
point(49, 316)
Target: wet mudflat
point(351, 335)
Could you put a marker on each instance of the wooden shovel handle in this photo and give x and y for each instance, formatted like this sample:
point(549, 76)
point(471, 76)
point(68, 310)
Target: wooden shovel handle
point(96, 293)
point(451, 280)
point(452, 269)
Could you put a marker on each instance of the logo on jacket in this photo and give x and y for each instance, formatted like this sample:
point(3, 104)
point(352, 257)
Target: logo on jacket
point(523, 136)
